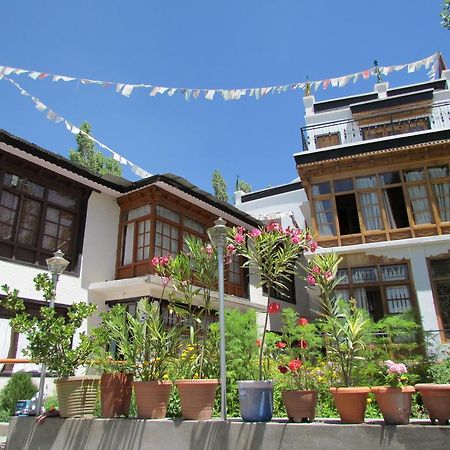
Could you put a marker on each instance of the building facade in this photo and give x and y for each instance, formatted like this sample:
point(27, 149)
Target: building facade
point(375, 187)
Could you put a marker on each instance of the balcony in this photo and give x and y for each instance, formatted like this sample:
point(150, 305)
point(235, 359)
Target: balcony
point(375, 126)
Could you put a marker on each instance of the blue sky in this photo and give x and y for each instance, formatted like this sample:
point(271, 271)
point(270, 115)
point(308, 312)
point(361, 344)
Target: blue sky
point(202, 43)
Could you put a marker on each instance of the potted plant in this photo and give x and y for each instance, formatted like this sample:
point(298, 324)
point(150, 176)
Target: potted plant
point(191, 276)
point(117, 373)
point(296, 351)
point(345, 329)
point(272, 253)
point(394, 399)
point(50, 342)
point(149, 347)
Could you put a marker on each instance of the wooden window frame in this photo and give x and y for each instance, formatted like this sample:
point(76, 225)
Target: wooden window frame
point(381, 284)
point(387, 232)
point(49, 181)
point(437, 306)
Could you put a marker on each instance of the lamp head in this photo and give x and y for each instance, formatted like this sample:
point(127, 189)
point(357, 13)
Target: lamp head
point(218, 233)
point(57, 264)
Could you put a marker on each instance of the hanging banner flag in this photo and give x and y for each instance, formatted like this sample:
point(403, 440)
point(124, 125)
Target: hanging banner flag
point(127, 89)
point(56, 118)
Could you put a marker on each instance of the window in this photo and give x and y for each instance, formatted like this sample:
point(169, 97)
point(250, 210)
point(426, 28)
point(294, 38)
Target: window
point(441, 190)
point(381, 289)
point(327, 140)
point(36, 219)
point(418, 195)
point(440, 275)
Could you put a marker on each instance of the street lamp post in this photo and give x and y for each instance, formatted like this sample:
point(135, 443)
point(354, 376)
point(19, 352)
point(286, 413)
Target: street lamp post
point(56, 266)
point(218, 236)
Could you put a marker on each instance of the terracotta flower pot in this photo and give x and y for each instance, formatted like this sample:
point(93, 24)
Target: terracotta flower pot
point(115, 390)
point(351, 403)
point(152, 398)
point(436, 399)
point(77, 395)
point(300, 405)
point(394, 403)
point(197, 398)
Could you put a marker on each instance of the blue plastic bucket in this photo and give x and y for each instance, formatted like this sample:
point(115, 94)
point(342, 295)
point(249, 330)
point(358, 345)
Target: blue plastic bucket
point(256, 400)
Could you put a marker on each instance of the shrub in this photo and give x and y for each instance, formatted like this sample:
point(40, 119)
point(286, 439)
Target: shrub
point(5, 416)
point(19, 387)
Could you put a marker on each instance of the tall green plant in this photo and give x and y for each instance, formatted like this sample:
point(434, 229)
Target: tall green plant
point(345, 326)
point(272, 253)
point(19, 387)
point(50, 336)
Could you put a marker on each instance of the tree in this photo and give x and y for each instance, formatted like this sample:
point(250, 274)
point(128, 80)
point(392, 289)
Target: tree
point(219, 186)
point(243, 186)
point(87, 156)
point(445, 14)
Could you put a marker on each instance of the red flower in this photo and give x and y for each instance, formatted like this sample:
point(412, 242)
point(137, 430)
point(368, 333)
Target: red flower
point(281, 344)
point(302, 321)
point(273, 308)
point(294, 365)
point(258, 342)
point(283, 369)
point(302, 344)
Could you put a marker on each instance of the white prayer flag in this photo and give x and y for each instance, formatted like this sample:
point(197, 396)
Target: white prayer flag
point(34, 75)
point(127, 90)
point(119, 86)
point(40, 106)
point(210, 94)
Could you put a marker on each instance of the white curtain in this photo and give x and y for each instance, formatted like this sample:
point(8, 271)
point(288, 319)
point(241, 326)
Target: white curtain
point(420, 206)
point(398, 299)
point(361, 298)
point(21, 345)
point(388, 208)
point(418, 196)
point(371, 211)
point(322, 222)
point(442, 192)
point(5, 339)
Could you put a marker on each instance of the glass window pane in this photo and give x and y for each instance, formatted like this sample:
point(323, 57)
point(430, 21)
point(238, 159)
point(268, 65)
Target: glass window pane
point(442, 194)
point(136, 213)
point(364, 274)
point(167, 213)
point(343, 185)
point(438, 171)
point(390, 178)
point(420, 204)
point(398, 299)
point(193, 225)
point(394, 272)
point(369, 181)
point(127, 244)
point(321, 188)
point(60, 199)
point(342, 275)
point(443, 294)
point(370, 210)
point(440, 268)
point(344, 294)
point(414, 174)
point(9, 200)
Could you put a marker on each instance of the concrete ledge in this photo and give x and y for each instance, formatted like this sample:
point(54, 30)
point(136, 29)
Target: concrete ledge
point(138, 434)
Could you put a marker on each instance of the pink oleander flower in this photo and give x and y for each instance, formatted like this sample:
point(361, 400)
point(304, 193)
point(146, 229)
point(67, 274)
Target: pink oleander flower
point(241, 230)
point(328, 276)
point(273, 308)
point(308, 237)
point(311, 280)
point(239, 238)
point(302, 321)
point(313, 246)
point(316, 270)
point(280, 344)
point(165, 281)
point(255, 233)
point(295, 239)
point(273, 226)
point(231, 248)
point(209, 250)
point(258, 342)
point(155, 261)
point(294, 365)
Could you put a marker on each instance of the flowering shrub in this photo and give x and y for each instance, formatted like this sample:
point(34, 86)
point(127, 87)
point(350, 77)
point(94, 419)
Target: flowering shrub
point(396, 374)
point(296, 352)
point(345, 326)
point(271, 252)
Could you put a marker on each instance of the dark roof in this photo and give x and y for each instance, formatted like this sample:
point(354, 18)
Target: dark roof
point(391, 102)
point(346, 101)
point(122, 185)
point(272, 191)
point(371, 146)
